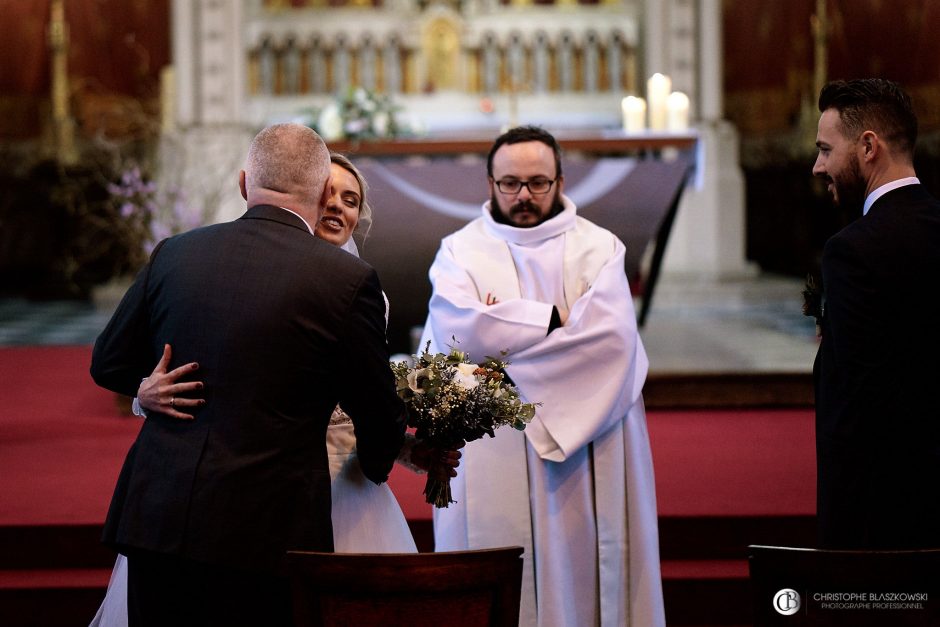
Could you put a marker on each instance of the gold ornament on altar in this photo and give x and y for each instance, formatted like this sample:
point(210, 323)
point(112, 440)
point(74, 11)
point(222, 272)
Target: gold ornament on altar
point(441, 46)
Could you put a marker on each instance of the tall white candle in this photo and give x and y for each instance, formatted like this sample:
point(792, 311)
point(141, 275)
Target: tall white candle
point(657, 91)
point(167, 99)
point(677, 111)
point(634, 114)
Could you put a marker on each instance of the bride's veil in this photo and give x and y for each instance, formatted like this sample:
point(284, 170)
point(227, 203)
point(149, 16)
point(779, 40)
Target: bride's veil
point(351, 248)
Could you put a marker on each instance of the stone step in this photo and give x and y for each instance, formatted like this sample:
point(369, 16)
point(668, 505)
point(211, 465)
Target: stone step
point(696, 592)
point(63, 597)
point(706, 592)
point(680, 538)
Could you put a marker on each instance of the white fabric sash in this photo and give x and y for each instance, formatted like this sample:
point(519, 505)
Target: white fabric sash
point(580, 356)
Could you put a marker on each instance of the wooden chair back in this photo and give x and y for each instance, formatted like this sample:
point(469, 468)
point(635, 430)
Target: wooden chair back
point(458, 588)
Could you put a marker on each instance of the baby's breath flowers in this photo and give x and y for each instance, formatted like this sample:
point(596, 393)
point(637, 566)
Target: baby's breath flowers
point(452, 400)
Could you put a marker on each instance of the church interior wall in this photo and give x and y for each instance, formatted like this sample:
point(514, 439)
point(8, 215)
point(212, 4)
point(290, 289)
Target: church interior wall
point(770, 98)
point(118, 50)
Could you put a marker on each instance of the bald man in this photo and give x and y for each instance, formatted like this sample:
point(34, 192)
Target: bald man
point(283, 327)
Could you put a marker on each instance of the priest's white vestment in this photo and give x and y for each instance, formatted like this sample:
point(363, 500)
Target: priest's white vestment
point(575, 489)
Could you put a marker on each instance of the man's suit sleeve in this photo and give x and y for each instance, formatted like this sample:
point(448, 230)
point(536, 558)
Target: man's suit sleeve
point(123, 353)
point(367, 386)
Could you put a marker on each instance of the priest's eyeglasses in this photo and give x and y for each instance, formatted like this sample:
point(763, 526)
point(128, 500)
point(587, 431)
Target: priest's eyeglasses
point(535, 186)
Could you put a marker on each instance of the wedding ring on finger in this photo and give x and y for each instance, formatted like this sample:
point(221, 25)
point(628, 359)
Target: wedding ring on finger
point(172, 401)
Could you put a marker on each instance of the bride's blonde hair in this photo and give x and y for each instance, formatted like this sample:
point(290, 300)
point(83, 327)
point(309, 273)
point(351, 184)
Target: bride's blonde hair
point(365, 209)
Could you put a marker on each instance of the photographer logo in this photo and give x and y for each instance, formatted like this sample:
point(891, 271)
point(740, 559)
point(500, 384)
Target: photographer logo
point(787, 602)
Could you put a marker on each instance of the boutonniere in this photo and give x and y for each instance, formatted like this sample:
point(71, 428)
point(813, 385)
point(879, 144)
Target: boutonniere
point(813, 302)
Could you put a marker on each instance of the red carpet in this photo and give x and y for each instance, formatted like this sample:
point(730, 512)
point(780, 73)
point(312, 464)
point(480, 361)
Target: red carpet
point(62, 441)
point(742, 462)
point(61, 438)
point(724, 479)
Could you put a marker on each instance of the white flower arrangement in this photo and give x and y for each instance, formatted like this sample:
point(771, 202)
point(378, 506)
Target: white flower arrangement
point(359, 114)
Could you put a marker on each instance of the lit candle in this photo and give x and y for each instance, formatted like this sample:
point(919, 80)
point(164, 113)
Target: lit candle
point(634, 114)
point(677, 111)
point(657, 91)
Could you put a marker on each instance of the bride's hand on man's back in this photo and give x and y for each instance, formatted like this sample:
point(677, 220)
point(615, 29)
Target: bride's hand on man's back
point(162, 392)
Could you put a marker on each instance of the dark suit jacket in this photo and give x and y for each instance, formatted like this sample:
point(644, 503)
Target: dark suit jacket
point(283, 326)
point(877, 376)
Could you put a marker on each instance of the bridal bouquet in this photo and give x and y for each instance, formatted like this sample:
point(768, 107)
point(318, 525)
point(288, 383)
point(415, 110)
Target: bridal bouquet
point(451, 400)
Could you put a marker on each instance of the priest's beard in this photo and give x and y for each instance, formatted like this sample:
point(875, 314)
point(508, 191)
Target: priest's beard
point(556, 208)
point(848, 188)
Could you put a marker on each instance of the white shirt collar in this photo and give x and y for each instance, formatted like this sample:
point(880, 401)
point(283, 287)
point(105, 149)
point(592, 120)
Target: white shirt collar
point(299, 216)
point(529, 236)
point(887, 187)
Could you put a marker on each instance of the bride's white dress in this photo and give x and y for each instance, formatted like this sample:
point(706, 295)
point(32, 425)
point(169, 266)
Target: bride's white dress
point(366, 517)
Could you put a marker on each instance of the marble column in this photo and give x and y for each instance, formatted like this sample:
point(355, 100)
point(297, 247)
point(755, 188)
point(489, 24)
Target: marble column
point(591, 66)
point(683, 40)
point(209, 62)
point(391, 58)
point(540, 65)
point(316, 67)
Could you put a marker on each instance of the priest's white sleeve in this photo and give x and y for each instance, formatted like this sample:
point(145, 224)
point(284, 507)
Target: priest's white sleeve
point(458, 311)
point(587, 374)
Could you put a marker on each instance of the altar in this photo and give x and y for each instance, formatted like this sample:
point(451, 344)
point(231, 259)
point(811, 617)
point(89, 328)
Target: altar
point(422, 190)
point(463, 71)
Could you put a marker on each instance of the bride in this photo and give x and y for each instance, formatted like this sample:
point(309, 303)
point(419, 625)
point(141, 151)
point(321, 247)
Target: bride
point(366, 517)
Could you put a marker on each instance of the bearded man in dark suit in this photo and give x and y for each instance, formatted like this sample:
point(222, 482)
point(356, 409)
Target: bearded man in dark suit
point(283, 326)
point(877, 372)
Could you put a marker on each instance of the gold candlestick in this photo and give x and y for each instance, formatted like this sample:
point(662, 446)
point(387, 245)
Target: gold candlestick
point(63, 126)
point(820, 26)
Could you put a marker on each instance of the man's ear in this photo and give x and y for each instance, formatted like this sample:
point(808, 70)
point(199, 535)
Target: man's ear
point(561, 183)
point(241, 184)
point(869, 145)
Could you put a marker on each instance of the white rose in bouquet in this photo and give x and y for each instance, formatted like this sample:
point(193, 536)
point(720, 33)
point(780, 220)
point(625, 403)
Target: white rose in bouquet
point(465, 377)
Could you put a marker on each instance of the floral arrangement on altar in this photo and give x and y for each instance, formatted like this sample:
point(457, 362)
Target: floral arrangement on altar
point(160, 193)
point(452, 400)
point(149, 213)
point(359, 114)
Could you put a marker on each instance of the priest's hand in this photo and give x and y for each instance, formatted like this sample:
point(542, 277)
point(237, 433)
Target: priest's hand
point(161, 391)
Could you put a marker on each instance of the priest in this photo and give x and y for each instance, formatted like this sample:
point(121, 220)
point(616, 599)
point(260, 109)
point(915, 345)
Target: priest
point(533, 280)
